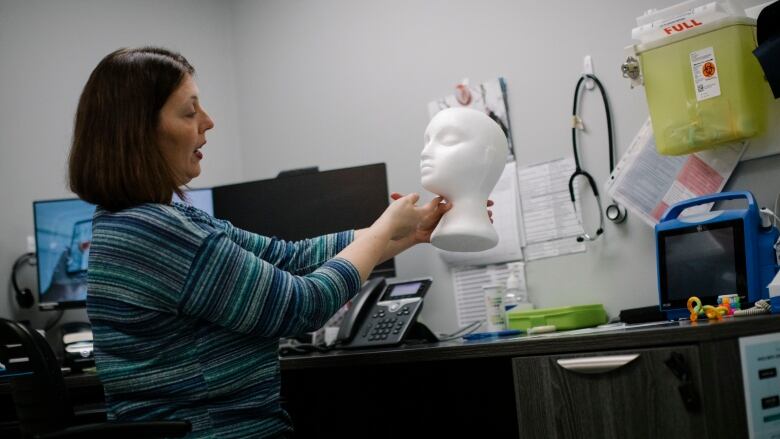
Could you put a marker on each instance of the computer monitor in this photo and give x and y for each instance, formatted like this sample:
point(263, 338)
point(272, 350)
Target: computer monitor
point(63, 234)
point(306, 205)
point(203, 199)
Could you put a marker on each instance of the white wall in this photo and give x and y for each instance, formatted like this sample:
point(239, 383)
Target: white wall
point(47, 51)
point(342, 83)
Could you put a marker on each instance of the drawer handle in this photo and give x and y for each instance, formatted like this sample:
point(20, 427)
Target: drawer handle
point(597, 364)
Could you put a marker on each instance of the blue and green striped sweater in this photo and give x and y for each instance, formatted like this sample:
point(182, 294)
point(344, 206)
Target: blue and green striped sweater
point(187, 312)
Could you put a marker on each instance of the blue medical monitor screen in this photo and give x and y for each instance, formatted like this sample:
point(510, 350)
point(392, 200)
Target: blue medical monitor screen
point(63, 235)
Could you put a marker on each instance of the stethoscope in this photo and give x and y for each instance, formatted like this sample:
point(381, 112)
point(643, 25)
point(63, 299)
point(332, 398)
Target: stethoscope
point(614, 212)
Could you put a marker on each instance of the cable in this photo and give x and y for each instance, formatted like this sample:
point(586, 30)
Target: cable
point(24, 296)
point(777, 199)
point(295, 347)
point(761, 307)
point(54, 322)
point(468, 329)
point(771, 213)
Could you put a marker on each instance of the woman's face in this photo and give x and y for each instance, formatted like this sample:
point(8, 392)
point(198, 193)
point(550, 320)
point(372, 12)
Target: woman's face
point(182, 131)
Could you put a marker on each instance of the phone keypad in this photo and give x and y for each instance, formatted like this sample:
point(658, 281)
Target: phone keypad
point(387, 323)
point(383, 328)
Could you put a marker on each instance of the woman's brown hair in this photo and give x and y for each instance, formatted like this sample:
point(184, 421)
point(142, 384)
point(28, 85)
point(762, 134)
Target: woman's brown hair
point(115, 161)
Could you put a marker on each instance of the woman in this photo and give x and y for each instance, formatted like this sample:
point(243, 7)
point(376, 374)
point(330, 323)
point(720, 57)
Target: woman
point(186, 309)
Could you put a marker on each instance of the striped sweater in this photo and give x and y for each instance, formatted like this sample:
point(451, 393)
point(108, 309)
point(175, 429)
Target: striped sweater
point(187, 312)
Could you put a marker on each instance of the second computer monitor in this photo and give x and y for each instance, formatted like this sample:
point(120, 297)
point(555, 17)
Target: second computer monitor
point(307, 205)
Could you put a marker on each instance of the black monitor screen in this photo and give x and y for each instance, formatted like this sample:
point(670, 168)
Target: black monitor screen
point(307, 205)
point(703, 261)
point(63, 234)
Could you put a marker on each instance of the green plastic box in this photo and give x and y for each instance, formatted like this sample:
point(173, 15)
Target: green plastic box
point(565, 318)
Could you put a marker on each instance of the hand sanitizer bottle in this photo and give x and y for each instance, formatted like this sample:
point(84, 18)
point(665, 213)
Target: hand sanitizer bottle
point(510, 294)
point(494, 308)
point(512, 291)
point(515, 297)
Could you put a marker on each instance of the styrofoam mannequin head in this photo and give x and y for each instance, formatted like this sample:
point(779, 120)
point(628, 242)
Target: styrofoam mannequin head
point(464, 155)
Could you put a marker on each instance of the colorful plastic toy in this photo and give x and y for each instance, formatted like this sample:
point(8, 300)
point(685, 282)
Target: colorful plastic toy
point(712, 312)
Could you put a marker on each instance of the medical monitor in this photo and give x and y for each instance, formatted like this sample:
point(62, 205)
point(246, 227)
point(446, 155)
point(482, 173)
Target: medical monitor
point(63, 235)
point(720, 252)
point(310, 204)
point(703, 260)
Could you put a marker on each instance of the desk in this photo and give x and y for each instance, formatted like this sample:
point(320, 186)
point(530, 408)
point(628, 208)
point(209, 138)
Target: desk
point(512, 388)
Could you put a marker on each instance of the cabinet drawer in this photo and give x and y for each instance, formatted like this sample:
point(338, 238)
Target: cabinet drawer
point(609, 395)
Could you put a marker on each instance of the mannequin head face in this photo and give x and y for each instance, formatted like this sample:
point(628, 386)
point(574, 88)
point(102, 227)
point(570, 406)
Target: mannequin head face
point(464, 154)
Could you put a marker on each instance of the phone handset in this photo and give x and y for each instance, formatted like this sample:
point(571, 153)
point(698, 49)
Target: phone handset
point(360, 306)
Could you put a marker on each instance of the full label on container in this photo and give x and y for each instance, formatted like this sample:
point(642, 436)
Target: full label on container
point(705, 74)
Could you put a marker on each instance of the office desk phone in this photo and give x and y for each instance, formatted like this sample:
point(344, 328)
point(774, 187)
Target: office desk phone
point(382, 314)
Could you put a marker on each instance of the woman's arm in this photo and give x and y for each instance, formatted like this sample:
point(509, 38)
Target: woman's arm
point(431, 213)
point(393, 248)
point(397, 223)
point(234, 288)
point(231, 287)
point(298, 257)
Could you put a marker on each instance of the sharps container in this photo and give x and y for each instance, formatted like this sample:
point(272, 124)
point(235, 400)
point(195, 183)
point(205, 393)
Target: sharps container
point(703, 85)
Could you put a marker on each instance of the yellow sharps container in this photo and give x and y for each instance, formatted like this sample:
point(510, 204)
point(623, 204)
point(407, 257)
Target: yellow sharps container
point(704, 87)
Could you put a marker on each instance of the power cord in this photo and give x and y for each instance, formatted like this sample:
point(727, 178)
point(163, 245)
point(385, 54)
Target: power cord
point(54, 321)
point(761, 307)
point(24, 296)
point(468, 329)
point(774, 220)
point(293, 347)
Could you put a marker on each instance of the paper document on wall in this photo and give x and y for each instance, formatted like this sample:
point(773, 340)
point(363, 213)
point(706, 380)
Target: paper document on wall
point(550, 223)
point(506, 222)
point(488, 97)
point(468, 283)
point(648, 183)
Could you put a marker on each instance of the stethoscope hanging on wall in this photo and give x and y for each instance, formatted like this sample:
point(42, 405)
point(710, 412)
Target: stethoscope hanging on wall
point(614, 212)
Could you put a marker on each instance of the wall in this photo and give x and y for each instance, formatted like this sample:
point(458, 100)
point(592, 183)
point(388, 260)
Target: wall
point(342, 83)
point(48, 49)
point(346, 82)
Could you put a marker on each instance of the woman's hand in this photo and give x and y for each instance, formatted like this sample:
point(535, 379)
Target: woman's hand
point(401, 217)
point(431, 213)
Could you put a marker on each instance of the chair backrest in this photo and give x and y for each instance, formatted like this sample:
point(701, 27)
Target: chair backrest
point(38, 388)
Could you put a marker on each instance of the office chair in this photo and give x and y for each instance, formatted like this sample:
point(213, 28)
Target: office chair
point(41, 398)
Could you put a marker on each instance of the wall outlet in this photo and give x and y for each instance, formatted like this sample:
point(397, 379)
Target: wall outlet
point(30, 244)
